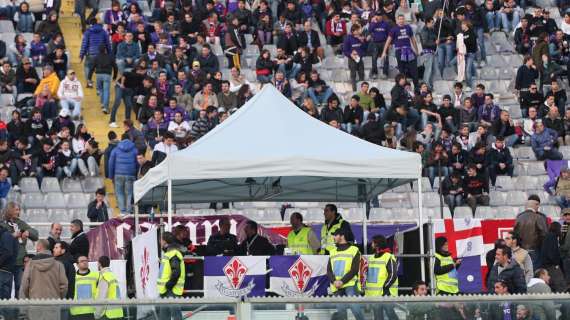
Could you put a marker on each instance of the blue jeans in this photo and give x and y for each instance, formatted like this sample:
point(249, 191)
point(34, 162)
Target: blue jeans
point(124, 192)
point(354, 307)
point(562, 201)
point(6, 284)
point(509, 25)
point(375, 48)
point(18, 272)
point(493, 20)
point(535, 257)
point(127, 96)
point(66, 171)
point(432, 172)
point(88, 65)
point(73, 106)
point(122, 64)
point(481, 42)
point(104, 89)
point(470, 68)
point(322, 97)
point(428, 68)
point(445, 55)
point(291, 73)
point(49, 110)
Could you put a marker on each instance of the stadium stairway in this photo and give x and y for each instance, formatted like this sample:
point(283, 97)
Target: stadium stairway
point(96, 121)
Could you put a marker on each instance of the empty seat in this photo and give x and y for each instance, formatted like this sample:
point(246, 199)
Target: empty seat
point(314, 215)
point(60, 215)
point(56, 201)
point(71, 185)
point(505, 183)
point(91, 184)
point(33, 200)
point(35, 215)
point(353, 214)
point(524, 153)
point(516, 198)
point(50, 184)
point(507, 212)
point(485, 213)
point(462, 213)
point(77, 200)
point(497, 198)
point(526, 182)
point(82, 214)
point(380, 214)
point(534, 168)
point(28, 185)
point(200, 205)
point(14, 196)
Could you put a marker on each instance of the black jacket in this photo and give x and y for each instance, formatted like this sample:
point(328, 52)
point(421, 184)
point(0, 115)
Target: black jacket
point(500, 128)
point(79, 245)
point(303, 39)
point(327, 115)
point(500, 156)
point(97, 215)
point(525, 77)
point(256, 246)
point(513, 275)
point(372, 131)
point(550, 252)
point(8, 250)
point(67, 261)
point(222, 244)
point(105, 64)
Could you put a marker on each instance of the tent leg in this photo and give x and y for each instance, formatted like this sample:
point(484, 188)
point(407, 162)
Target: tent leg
point(364, 229)
point(432, 257)
point(169, 226)
point(421, 225)
point(137, 222)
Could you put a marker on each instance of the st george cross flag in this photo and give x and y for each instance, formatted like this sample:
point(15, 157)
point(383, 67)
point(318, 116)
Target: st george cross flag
point(465, 241)
point(493, 230)
point(234, 276)
point(146, 264)
point(299, 276)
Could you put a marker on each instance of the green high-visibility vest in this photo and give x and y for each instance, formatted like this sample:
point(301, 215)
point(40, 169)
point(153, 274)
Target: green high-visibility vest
point(113, 293)
point(166, 272)
point(327, 238)
point(341, 263)
point(446, 282)
point(85, 289)
point(378, 274)
point(298, 242)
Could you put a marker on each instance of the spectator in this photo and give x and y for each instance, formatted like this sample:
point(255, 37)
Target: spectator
point(5, 186)
point(437, 163)
point(79, 245)
point(539, 284)
point(179, 128)
point(490, 256)
point(164, 148)
point(123, 170)
point(50, 81)
point(520, 255)
point(318, 90)
point(354, 48)
point(551, 259)
point(66, 161)
point(70, 93)
point(7, 79)
point(26, 77)
point(554, 122)
point(223, 242)
point(428, 36)
point(93, 38)
point(332, 111)
point(527, 75)
point(471, 40)
point(476, 188)
point(353, 115)
point(205, 123)
point(226, 98)
point(8, 255)
point(499, 311)
point(449, 115)
point(544, 108)
point(532, 227)
point(24, 160)
point(562, 189)
point(205, 98)
point(135, 136)
point(24, 19)
point(506, 270)
point(113, 142)
point(452, 191)
point(155, 129)
point(559, 94)
point(58, 59)
point(128, 52)
point(489, 112)
point(543, 143)
point(97, 209)
point(565, 243)
point(104, 67)
point(457, 158)
point(54, 234)
point(445, 268)
point(500, 160)
point(144, 165)
point(406, 48)
point(523, 44)
point(378, 29)
point(47, 161)
point(61, 253)
point(254, 244)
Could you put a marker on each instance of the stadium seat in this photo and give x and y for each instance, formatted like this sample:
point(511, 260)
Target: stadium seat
point(551, 211)
point(505, 182)
point(353, 214)
point(6, 26)
point(516, 198)
point(507, 212)
point(36, 215)
point(497, 198)
point(91, 184)
point(77, 200)
point(462, 213)
point(485, 213)
point(200, 205)
point(29, 185)
point(50, 184)
point(14, 196)
point(60, 215)
point(71, 185)
point(524, 153)
point(534, 168)
point(56, 201)
point(526, 182)
point(380, 214)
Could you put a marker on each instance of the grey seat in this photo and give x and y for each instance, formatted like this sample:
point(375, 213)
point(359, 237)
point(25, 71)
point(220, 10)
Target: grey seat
point(485, 213)
point(91, 184)
point(516, 198)
point(7, 99)
point(535, 168)
point(380, 214)
point(55, 201)
point(462, 213)
point(77, 200)
point(497, 198)
point(505, 182)
point(36, 215)
point(28, 185)
point(6, 26)
point(71, 185)
point(524, 153)
point(507, 212)
point(551, 211)
point(50, 184)
point(60, 215)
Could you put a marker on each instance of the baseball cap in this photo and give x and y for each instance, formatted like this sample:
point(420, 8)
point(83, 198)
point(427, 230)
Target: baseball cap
point(339, 232)
point(566, 211)
point(195, 63)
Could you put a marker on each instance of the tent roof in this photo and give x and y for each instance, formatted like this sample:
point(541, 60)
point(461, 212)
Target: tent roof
point(270, 149)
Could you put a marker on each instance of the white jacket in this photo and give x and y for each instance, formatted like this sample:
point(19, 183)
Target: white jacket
point(70, 89)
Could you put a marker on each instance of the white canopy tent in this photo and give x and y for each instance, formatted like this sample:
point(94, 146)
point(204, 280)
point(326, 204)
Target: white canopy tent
point(270, 150)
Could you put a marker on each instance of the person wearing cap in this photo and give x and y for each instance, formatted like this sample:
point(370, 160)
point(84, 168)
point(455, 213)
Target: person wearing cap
point(333, 222)
point(342, 270)
point(70, 93)
point(382, 276)
point(301, 239)
point(532, 227)
point(445, 269)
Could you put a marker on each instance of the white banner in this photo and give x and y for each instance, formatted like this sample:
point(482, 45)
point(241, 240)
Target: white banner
point(146, 263)
point(119, 268)
point(234, 276)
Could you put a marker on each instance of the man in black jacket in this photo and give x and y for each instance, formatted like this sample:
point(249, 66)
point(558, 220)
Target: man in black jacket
point(171, 284)
point(8, 254)
point(79, 242)
point(97, 209)
point(254, 244)
point(104, 67)
point(223, 242)
point(310, 38)
point(506, 270)
point(501, 161)
point(61, 254)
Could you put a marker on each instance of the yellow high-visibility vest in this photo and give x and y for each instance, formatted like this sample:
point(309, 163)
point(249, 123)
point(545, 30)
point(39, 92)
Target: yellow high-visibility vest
point(113, 293)
point(446, 282)
point(341, 263)
point(327, 238)
point(85, 289)
point(166, 272)
point(299, 242)
point(378, 274)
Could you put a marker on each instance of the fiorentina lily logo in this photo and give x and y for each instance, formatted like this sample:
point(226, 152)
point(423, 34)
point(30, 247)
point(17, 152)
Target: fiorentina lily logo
point(235, 271)
point(145, 268)
point(301, 273)
point(363, 271)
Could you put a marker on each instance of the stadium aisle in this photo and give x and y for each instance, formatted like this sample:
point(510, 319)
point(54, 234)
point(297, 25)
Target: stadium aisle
point(96, 121)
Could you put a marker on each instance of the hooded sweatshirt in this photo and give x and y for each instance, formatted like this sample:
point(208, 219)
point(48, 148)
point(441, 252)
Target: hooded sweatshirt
point(44, 278)
point(70, 89)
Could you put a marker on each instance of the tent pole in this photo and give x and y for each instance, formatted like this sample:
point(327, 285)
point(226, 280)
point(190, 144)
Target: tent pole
point(421, 225)
point(169, 226)
point(137, 222)
point(364, 229)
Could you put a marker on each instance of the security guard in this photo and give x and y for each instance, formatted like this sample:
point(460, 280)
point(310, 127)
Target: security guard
point(343, 270)
point(382, 277)
point(333, 222)
point(445, 269)
point(108, 289)
point(172, 276)
point(85, 289)
point(302, 239)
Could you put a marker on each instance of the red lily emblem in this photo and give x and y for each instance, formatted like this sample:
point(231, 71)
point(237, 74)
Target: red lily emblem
point(363, 271)
point(235, 271)
point(301, 273)
point(145, 268)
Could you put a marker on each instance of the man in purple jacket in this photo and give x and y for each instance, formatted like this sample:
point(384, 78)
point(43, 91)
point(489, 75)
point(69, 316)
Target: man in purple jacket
point(354, 48)
point(406, 49)
point(378, 29)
